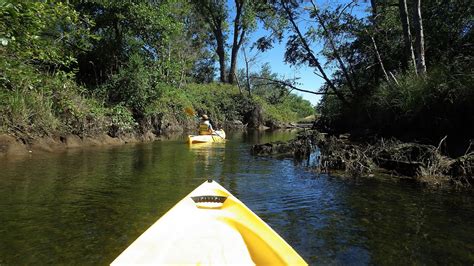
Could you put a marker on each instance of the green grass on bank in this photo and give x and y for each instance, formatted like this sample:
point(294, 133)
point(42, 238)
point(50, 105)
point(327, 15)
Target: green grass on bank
point(37, 104)
point(430, 106)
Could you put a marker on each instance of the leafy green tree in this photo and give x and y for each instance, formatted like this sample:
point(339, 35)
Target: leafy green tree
point(216, 14)
point(244, 22)
point(204, 70)
point(300, 44)
point(370, 88)
point(155, 41)
point(43, 33)
point(132, 86)
point(155, 30)
point(262, 85)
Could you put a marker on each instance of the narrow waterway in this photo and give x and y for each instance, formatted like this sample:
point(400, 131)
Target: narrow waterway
point(87, 205)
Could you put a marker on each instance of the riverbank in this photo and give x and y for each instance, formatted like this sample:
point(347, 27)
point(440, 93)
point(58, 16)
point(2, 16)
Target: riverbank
point(13, 147)
point(57, 119)
point(421, 163)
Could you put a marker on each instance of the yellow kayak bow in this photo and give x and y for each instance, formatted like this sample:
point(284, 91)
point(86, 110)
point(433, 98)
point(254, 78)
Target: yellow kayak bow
point(210, 227)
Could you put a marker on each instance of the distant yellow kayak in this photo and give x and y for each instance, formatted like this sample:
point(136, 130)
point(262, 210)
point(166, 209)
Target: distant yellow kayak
point(210, 227)
point(219, 136)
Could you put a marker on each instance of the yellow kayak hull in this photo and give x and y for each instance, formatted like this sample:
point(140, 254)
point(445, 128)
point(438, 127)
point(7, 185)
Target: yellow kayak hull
point(210, 227)
point(218, 137)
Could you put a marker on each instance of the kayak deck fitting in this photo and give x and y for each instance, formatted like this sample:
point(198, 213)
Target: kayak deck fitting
point(219, 136)
point(210, 226)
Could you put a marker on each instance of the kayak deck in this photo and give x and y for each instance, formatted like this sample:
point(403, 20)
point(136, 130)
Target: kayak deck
point(210, 226)
point(218, 137)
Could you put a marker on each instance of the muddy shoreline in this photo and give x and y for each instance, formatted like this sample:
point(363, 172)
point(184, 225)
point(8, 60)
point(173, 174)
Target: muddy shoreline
point(15, 147)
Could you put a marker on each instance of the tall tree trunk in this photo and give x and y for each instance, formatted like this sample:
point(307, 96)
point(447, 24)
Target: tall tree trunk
point(419, 40)
point(214, 14)
point(220, 50)
point(379, 59)
point(374, 18)
point(409, 56)
point(239, 34)
point(233, 61)
point(247, 70)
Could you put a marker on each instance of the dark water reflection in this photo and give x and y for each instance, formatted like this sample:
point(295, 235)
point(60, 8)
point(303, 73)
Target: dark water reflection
point(86, 206)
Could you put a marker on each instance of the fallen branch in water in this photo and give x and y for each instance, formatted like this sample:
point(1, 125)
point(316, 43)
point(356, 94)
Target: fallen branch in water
point(422, 163)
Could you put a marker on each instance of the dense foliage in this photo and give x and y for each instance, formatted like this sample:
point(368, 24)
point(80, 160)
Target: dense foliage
point(395, 68)
point(407, 102)
point(115, 67)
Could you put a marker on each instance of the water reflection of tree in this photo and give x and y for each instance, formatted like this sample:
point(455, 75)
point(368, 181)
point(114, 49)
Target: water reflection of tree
point(208, 159)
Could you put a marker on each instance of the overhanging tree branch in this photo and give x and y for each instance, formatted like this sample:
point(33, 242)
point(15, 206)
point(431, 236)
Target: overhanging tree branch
point(288, 84)
point(334, 48)
point(313, 58)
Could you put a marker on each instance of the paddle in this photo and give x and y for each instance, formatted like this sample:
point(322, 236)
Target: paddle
point(190, 111)
point(215, 132)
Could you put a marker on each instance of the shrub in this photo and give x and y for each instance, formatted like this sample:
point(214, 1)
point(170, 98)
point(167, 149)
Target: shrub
point(120, 121)
point(23, 112)
point(132, 86)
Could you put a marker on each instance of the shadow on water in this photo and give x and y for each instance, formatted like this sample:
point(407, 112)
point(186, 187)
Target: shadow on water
point(86, 206)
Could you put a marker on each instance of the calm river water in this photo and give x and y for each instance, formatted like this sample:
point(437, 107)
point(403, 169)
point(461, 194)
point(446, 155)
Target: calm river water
point(87, 205)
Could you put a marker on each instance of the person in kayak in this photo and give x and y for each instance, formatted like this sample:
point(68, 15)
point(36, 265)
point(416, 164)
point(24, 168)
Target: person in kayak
point(205, 126)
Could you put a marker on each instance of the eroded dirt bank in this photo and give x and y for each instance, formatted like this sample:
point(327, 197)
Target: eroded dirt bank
point(15, 147)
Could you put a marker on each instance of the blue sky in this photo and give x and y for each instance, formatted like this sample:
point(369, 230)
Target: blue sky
point(275, 56)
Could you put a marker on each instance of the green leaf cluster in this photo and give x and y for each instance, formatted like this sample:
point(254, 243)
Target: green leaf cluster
point(46, 32)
